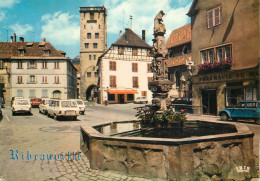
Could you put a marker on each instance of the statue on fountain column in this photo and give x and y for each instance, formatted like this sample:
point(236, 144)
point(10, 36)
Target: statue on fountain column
point(159, 27)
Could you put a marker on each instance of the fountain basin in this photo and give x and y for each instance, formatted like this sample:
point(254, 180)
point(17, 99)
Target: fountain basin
point(206, 157)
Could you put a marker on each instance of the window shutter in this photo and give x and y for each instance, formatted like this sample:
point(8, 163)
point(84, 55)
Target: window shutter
point(217, 16)
point(210, 19)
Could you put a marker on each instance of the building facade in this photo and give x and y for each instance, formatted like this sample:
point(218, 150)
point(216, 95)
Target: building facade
point(37, 70)
point(179, 61)
point(125, 70)
point(93, 43)
point(225, 35)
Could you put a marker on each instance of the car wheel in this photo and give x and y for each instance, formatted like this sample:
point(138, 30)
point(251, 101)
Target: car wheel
point(223, 116)
point(13, 113)
point(82, 113)
point(257, 121)
point(48, 115)
point(40, 111)
point(74, 117)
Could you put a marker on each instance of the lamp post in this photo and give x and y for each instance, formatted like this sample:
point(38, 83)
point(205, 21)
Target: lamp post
point(107, 96)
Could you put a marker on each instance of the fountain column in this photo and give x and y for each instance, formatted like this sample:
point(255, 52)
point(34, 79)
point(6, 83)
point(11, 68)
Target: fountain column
point(160, 85)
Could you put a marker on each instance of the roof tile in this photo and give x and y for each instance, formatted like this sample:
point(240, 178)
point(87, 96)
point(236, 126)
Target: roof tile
point(131, 39)
point(179, 36)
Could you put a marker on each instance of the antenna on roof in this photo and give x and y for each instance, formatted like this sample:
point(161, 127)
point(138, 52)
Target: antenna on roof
point(6, 35)
point(131, 21)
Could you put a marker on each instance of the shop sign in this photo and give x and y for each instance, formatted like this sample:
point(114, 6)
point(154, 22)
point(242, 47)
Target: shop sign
point(229, 76)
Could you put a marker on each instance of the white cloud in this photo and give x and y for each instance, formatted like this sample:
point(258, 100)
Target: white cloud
point(21, 30)
point(2, 15)
point(8, 3)
point(143, 13)
point(61, 28)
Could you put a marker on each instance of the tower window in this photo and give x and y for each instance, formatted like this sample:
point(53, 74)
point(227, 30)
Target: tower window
point(95, 45)
point(89, 35)
point(91, 15)
point(96, 35)
point(86, 45)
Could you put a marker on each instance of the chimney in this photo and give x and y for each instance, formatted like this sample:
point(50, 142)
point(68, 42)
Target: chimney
point(43, 39)
point(14, 37)
point(120, 33)
point(143, 35)
point(21, 39)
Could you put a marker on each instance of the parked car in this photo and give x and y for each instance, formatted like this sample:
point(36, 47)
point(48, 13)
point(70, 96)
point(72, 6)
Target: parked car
point(21, 106)
point(140, 100)
point(2, 102)
point(184, 103)
point(63, 108)
point(81, 105)
point(43, 108)
point(14, 98)
point(35, 102)
point(243, 110)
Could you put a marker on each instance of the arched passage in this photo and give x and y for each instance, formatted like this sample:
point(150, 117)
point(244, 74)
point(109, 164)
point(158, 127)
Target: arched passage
point(91, 92)
point(56, 94)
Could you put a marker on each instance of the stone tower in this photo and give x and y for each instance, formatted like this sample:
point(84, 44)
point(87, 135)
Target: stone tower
point(93, 43)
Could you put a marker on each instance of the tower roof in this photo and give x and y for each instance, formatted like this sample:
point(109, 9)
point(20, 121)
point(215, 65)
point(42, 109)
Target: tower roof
point(131, 39)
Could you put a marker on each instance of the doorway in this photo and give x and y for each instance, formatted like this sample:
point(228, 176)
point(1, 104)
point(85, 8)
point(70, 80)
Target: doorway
point(121, 99)
point(209, 102)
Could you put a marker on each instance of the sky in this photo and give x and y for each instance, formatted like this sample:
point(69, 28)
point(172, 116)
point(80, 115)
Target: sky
point(59, 20)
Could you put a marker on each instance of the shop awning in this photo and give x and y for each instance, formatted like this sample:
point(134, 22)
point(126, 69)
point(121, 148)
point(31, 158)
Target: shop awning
point(122, 92)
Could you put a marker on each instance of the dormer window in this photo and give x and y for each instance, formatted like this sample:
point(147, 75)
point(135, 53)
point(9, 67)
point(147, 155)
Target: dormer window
point(41, 44)
point(46, 52)
point(29, 45)
point(21, 51)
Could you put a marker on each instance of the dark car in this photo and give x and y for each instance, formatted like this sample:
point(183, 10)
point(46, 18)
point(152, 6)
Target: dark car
point(243, 110)
point(35, 102)
point(184, 103)
point(2, 102)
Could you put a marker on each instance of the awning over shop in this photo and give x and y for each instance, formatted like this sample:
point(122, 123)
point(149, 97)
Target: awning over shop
point(122, 92)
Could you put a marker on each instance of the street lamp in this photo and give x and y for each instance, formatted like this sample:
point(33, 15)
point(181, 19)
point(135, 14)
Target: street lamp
point(107, 96)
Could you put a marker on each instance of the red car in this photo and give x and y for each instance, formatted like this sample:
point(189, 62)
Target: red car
point(35, 102)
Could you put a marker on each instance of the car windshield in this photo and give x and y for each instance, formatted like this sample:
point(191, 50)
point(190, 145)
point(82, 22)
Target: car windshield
point(49, 102)
point(36, 100)
point(22, 102)
point(68, 104)
point(143, 97)
point(80, 102)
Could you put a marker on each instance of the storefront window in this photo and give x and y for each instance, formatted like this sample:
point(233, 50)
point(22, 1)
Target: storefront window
point(111, 97)
point(130, 97)
point(233, 96)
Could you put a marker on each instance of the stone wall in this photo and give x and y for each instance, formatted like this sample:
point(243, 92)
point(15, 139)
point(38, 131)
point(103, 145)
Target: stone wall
point(194, 160)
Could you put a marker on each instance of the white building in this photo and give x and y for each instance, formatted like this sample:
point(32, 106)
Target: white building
point(38, 70)
point(124, 70)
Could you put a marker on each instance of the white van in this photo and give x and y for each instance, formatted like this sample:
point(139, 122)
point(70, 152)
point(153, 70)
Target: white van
point(63, 108)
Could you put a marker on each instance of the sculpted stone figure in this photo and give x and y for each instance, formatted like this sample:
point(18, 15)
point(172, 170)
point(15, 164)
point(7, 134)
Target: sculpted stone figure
point(159, 46)
point(159, 27)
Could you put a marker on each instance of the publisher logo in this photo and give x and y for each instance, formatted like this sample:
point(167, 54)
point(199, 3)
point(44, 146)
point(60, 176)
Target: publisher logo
point(243, 169)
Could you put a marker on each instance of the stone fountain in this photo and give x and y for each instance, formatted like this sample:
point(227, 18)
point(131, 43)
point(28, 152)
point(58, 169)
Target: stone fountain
point(212, 150)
